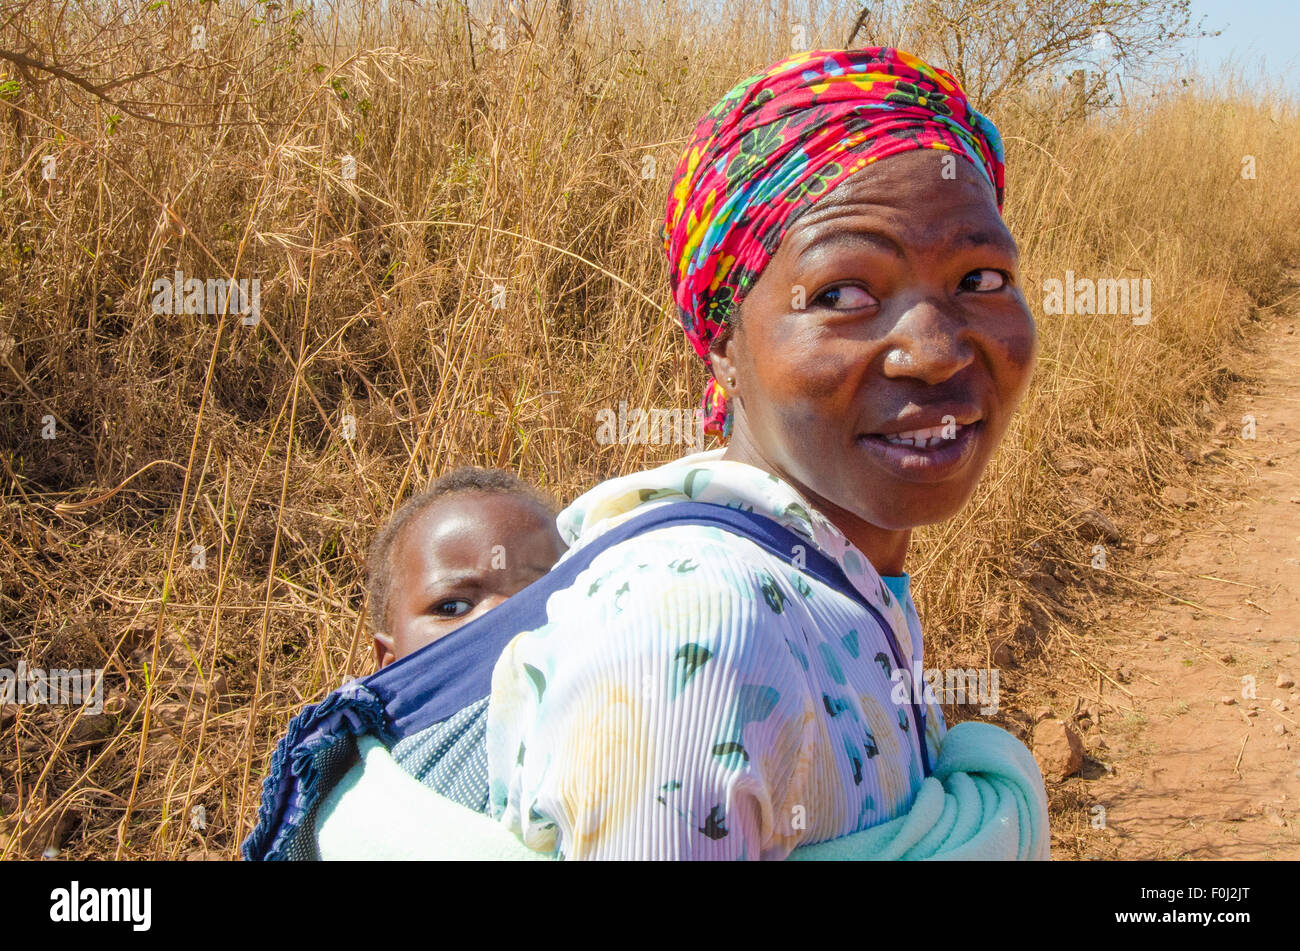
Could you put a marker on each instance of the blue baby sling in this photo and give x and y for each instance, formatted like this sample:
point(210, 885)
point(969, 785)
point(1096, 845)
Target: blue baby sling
point(436, 698)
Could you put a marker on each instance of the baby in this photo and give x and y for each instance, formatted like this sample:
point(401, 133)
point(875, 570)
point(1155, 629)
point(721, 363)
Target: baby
point(472, 539)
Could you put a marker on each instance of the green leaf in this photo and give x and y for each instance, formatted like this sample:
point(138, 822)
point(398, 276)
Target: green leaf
point(538, 679)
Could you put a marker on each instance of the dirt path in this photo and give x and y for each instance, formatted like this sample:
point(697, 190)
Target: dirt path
point(1200, 769)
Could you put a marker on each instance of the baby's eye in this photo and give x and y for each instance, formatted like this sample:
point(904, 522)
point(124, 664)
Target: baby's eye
point(452, 607)
point(848, 297)
point(983, 280)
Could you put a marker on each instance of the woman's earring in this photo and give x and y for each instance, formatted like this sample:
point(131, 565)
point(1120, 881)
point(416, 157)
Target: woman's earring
point(731, 382)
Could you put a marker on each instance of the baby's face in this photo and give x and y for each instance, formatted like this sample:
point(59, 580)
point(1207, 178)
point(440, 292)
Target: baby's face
point(458, 559)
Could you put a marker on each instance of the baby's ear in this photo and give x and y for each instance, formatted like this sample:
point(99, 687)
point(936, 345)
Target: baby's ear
point(385, 652)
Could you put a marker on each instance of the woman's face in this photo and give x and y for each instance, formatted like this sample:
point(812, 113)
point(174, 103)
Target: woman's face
point(892, 306)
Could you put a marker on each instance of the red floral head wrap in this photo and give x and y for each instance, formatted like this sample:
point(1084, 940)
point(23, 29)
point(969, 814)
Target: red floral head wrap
point(774, 145)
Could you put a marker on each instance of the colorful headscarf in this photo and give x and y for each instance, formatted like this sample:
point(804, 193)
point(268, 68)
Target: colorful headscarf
point(774, 145)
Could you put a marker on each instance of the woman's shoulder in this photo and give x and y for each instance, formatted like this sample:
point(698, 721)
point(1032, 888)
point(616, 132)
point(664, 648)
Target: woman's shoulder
point(689, 562)
point(675, 588)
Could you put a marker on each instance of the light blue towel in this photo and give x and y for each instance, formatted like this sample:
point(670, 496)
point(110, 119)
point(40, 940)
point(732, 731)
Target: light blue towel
point(986, 800)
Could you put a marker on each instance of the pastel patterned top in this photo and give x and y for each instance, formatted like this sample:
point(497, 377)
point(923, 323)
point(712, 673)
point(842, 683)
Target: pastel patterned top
point(694, 696)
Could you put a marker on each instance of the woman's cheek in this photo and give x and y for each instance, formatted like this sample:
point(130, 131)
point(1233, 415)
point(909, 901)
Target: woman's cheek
point(809, 371)
point(1021, 353)
point(1011, 344)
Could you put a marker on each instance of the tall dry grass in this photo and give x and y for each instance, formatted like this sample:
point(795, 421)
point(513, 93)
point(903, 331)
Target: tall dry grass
point(523, 167)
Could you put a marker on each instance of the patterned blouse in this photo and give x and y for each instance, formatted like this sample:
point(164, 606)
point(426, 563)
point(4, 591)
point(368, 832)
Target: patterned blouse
point(694, 696)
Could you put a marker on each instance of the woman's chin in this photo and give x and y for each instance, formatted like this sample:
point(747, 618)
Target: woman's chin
point(915, 506)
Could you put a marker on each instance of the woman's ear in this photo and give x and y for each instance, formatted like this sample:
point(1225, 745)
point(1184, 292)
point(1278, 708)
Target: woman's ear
point(385, 651)
point(722, 358)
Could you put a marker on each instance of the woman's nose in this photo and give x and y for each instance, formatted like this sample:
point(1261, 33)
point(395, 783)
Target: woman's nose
point(928, 343)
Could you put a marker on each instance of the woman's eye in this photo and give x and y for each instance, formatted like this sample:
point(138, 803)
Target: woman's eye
point(985, 279)
point(848, 297)
point(452, 607)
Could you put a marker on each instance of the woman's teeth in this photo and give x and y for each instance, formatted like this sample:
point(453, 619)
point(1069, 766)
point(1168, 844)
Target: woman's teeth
point(925, 438)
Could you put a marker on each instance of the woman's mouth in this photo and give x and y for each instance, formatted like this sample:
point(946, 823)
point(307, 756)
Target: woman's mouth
point(931, 454)
point(924, 438)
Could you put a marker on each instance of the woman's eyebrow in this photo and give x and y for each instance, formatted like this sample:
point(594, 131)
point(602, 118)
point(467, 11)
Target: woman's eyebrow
point(955, 240)
point(982, 239)
point(874, 240)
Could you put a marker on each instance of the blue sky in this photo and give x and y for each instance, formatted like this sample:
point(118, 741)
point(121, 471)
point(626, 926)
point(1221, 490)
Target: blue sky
point(1257, 35)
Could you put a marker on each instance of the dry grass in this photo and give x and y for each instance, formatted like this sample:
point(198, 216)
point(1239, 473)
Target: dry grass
point(523, 169)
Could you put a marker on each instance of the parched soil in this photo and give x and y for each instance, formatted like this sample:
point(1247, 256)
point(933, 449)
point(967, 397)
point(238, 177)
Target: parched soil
point(1198, 753)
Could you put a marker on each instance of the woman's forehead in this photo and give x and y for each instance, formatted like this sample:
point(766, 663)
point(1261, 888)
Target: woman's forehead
point(917, 172)
point(913, 193)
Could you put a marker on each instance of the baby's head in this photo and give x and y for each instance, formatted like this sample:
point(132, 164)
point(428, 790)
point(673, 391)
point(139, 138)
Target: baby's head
point(472, 539)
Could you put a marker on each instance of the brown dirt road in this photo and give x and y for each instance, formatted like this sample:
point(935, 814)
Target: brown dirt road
point(1198, 767)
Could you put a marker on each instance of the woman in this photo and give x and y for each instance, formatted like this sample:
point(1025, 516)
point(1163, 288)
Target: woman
point(695, 696)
